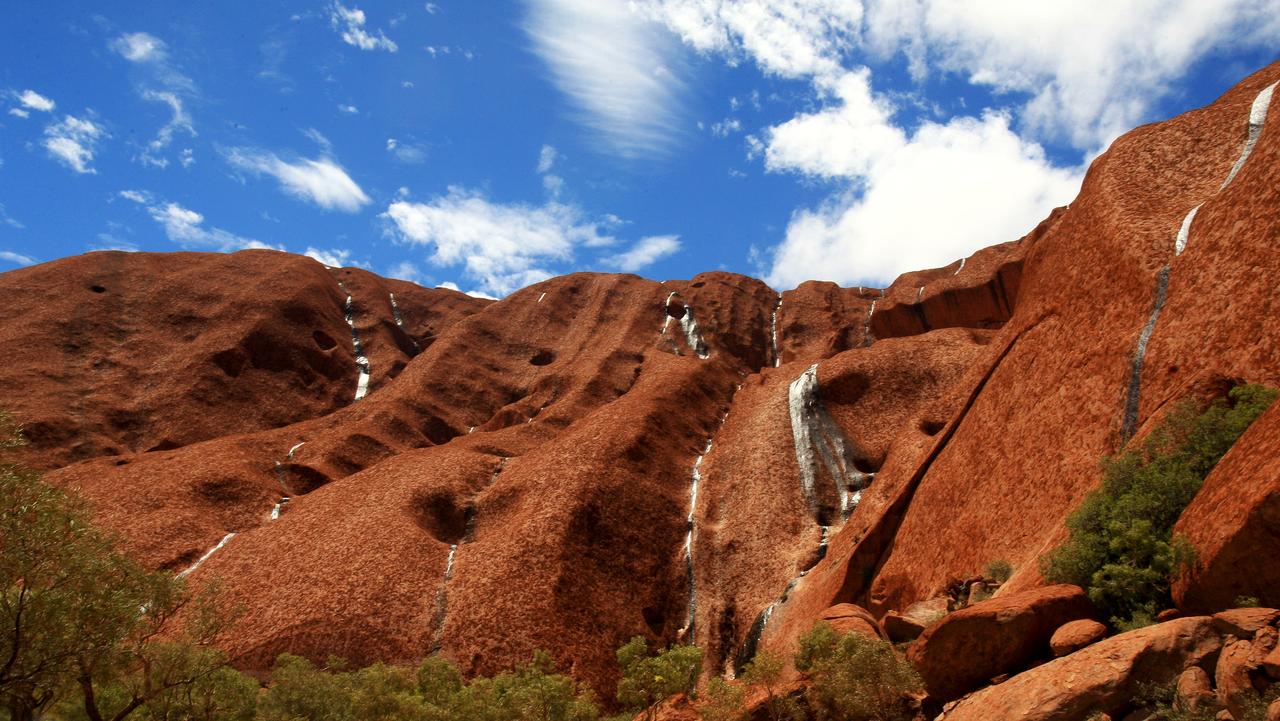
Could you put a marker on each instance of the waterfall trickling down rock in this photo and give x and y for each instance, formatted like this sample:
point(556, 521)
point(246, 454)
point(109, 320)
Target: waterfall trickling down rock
point(1133, 396)
point(395, 315)
point(362, 383)
point(818, 439)
point(867, 338)
point(777, 356)
point(206, 556)
point(695, 482)
point(442, 599)
point(284, 486)
point(962, 260)
point(692, 336)
point(1257, 119)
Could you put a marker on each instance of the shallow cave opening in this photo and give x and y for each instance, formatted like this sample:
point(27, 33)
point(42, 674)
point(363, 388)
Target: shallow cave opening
point(442, 517)
point(542, 358)
point(323, 340)
point(97, 289)
point(655, 619)
point(931, 427)
point(675, 310)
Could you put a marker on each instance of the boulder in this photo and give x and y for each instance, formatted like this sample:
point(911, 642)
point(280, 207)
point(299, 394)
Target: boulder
point(1076, 635)
point(1194, 690)
point(846, 617)
point(1232, 677)
point(1273, 711)
point(1271, 664)
point(909, 624)
point(1244, 622)
point(1099, 678)
point(970, 646)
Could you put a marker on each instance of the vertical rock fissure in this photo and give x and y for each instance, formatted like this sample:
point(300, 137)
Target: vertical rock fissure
point(773, 323)
point(399, 319)
point(442, 600)
point(818, 439)
point(362, 362)
point(1257, 119)
point(208, 554)
point(692, 335)
point(1133, 396)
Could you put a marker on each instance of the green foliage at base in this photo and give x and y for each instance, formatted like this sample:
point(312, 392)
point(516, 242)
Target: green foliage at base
point(1121, 548)
point(856, 677)
point(647, 680)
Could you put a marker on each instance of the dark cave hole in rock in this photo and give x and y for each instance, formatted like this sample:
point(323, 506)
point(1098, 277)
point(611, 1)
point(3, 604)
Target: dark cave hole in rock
point(542, 358)
point(323, 340)
point(655, 619)
point(699, 284)
point(931, 427)
point(97, 289)
point(440, 516)
point(675, 310)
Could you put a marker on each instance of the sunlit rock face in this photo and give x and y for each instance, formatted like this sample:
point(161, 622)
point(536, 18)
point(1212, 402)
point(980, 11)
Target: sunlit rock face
point(381, 471)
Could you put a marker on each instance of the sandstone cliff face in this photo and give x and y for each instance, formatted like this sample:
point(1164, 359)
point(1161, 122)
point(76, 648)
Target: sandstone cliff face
point(382, 471)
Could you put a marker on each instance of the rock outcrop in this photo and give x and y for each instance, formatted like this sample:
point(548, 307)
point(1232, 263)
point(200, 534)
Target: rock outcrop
point(382, 471)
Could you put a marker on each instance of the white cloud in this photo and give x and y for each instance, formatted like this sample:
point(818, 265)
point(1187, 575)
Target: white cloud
point(788, 38)
point(178, 122)
point(321, 181)
point(19, 113)
point(186, 227)
point(938, 196)
point(349, 109)
point(334, 257)
point(726, 127)
point(644, 253)
point(406, 270)
point(9, 220)
point(614, 67)
point(141, 47)
point(501, 247)
point(350, 23)
point(32, 100)
point(9, 256)
point(1092, 69)
point(553, 184)
point(546, 159)
point(409, 153)
point(73, 142)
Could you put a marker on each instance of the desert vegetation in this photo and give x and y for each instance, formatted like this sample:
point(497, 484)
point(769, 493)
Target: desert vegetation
point(1122, 549)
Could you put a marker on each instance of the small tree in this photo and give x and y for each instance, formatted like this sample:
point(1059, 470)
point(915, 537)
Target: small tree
point(765, 671)
point(723, 702)
point(647, 680)
point(856, 677)
point(77, 614)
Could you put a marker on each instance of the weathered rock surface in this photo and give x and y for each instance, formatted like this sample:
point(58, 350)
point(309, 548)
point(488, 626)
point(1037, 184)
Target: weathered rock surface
point(1073, 636)
point(1194, 690)
point(698, 460)
point(1245, 622)
point(1002, 635)
point(846, 617)
point(1099, 678)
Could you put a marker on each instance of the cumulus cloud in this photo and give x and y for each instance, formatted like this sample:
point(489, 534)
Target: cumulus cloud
point(186, 227)
point(501, 247)
point(613, 65)
point(349, 22)
point(31, 100)
point(19, 113)
point(321, 181)
point(553, 184)
point(73, 142)
point(644, 253)
point(726, 127)
point(941, 194)
point(546, 159)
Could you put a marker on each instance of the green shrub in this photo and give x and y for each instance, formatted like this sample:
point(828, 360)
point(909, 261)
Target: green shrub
point(647, 680)
point(856, 677)
point(723, 702)
point(999, 571)
point(1121, 547)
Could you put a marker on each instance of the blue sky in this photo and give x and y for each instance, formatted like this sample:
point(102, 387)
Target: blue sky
point(488, 145)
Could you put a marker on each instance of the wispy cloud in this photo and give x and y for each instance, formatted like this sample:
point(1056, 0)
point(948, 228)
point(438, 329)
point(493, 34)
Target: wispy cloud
point(149, 51)
point(186, 227)
point(407, 152)
point(335, 257)
point(179, 122)
point(644, 253)
point(321, 181)
point(349, 22)
point(615, 67)
point(19, 259)
point(73, 142)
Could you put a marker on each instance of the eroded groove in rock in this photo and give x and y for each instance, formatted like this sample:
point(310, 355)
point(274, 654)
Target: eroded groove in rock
point(773, 322)
point(1134, 394)
point(362, 362)
point(1257, 119)
point(190, 569)
point(691, 613)
point(692, 335)
point(442, 600)
point(817, 439)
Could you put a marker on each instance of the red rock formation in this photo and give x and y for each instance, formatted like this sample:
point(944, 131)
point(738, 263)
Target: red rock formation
point(973, 645)
point(1073, 636)
point(598, 456)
